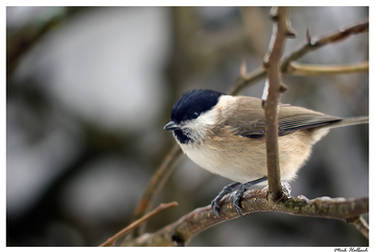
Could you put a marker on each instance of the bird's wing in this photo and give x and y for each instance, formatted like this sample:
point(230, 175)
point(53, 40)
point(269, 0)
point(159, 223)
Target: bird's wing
point(290, 124)
point(250, 122)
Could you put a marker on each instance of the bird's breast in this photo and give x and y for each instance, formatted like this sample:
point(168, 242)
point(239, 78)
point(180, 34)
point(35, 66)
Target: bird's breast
point(235, 160)
point(243, 159)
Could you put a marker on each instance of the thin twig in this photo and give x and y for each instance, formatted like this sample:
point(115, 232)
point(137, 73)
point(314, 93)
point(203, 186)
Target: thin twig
point(160, 208)
point(259, 73)
point(191, 224)
point(156, 183)
point(244, 80)
point(317, 69)
point(271, 63)
point(311, 45)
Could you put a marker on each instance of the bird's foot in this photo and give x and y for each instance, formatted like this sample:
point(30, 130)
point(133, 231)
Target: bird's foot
point(215, 204)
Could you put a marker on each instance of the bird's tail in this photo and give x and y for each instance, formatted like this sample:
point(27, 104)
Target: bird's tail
point(349, 121)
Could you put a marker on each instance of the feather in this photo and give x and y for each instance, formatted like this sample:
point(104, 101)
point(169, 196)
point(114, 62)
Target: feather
point(247, 118)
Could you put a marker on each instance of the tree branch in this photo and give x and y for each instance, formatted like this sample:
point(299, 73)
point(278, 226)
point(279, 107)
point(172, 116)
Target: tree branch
point(317, 69)
point(122, 232)
point(156, 183)
point(311, 45)
point(272, 63)
point(244, 80)
point(258, 200)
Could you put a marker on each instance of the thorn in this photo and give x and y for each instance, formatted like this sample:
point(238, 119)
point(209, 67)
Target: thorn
point(308, 37)
point(283, 87)
point(243, 69)
point(274, 13)
point(266, 61)
point(290, 32)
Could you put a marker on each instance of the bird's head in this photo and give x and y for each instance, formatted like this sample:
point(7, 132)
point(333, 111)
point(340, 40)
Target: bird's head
point(192, 114)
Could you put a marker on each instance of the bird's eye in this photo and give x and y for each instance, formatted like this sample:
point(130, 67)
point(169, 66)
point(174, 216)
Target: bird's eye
point(195, 114)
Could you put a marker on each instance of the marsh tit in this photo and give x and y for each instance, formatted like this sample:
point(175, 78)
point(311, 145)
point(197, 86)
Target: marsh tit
point(225, 135)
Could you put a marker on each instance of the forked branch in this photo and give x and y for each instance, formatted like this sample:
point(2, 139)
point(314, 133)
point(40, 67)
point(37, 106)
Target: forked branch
point(311, 45)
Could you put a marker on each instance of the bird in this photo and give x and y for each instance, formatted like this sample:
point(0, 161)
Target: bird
point(225, 135)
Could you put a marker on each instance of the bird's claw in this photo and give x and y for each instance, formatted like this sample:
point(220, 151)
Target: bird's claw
point(215, 207)
point(215, 203)
point(237, 200)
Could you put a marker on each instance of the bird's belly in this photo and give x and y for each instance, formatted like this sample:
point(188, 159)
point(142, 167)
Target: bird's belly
point(245, 159)
point(240, 165)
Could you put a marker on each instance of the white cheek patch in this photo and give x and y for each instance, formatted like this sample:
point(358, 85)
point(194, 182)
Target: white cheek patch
point(207, 118)
point(198, 127)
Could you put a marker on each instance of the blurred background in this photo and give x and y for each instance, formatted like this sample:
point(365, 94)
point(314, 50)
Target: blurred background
point(89, 90)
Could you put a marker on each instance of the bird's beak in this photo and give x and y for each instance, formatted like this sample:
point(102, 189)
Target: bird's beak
point(171, 126)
